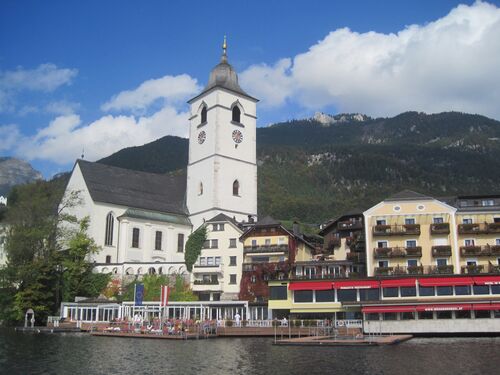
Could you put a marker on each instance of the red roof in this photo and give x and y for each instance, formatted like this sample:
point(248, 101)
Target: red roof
point(310, 285)
point(487, 280)
point(445, 281)
point(356, 284)
point(394, 283)
point(384, 309)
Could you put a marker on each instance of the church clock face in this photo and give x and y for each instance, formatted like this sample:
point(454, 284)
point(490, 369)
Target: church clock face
point(201, 137)
point(237, 136)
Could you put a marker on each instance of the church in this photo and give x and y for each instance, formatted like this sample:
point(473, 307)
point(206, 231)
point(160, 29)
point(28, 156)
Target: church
point(142, 220)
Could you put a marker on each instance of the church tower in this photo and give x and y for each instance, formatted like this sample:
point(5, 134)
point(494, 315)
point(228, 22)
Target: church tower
point(222, 168)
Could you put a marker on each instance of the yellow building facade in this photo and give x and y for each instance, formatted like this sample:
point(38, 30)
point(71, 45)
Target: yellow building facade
point(413, 234)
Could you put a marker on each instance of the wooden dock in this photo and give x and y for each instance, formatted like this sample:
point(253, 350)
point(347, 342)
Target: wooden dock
point(344, 341)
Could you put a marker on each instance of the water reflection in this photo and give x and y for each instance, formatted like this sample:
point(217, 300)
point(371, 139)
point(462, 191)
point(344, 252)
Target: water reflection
point(83, 354)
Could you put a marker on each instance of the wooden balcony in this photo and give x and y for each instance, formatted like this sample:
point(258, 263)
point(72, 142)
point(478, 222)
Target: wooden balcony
point(440, 228)
point(441, 251)
point(355, 257)
point(397, 252)
point(479, 228)
point(350, 225)
point(265, 249)
point(472, 269)
point(396, 230)
point(480, 251)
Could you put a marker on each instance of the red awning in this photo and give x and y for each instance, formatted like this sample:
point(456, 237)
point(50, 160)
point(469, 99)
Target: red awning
point(310, 285)
point(356, 284)
point(486, 306)
point(487, 280)
point(410, 281)
point(384, 309)
point(445, 307)
point(445, 281)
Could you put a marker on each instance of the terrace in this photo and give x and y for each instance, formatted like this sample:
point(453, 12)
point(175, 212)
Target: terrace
point(397, 252)
point(396, 230)
point(440, 228)
point(479, 228)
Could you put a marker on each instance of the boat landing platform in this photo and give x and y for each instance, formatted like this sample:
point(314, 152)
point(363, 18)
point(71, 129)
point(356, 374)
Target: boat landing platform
point(344, 341)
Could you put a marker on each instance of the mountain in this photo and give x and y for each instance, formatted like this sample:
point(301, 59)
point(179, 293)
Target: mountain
point(314, 169)
point(14, 172)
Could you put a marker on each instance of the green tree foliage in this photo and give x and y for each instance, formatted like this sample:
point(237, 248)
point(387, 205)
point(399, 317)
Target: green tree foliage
point(46, 257)
point(78, 278)
point(194, 244)
point(179, 288)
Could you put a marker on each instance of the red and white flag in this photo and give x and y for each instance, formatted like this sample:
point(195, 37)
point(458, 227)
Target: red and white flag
point(165, 291)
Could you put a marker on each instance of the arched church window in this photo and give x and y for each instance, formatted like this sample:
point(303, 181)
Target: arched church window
point(200, 191)
point(236, 188)
point(204, 114)
point(236, 114)
point(108, 235)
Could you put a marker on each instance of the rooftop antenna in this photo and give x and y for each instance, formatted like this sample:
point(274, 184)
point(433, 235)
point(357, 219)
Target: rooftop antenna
point(83, 153)
point(224, 51)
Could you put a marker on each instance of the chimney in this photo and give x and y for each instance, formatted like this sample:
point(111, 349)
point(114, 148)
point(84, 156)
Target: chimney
point(296, 228)
point(250, 219)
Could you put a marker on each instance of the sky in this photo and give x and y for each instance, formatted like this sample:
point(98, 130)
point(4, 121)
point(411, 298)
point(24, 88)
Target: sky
point(98, 76)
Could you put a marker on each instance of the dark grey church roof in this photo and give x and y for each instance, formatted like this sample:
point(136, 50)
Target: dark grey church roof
point(267, 221)
point(224, 76)
point(408, 195)
point(126, 187)
point(222, 218)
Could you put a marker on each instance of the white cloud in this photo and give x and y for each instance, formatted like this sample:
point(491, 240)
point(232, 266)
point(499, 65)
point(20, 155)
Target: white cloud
point(170, 89)
point(46, 78)
point(64, 138)
point(450, 64)
point(271, 82)
point(62, 107)
point(9, 134)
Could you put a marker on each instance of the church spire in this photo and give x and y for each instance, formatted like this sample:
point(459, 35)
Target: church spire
point(224, 51)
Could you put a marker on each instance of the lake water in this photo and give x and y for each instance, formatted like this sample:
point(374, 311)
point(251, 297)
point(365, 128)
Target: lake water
point(84, 354)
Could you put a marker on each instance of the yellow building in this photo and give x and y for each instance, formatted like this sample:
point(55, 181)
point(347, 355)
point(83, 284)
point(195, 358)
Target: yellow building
point(478, 233)
point(410, 233)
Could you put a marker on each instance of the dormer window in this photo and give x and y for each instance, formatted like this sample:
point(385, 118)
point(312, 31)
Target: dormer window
point(204, 114)
point(236, 114)
point(236, 188)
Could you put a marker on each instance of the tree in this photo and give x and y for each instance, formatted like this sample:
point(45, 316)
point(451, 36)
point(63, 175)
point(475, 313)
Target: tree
point(194, 244)
point(179, 291)
point(47, 252)
point(78, 278)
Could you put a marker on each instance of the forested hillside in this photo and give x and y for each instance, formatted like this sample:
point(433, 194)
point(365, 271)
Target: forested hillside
point(313, 171)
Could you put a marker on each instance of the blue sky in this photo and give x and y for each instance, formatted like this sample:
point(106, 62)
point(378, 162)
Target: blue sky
point(103, 75)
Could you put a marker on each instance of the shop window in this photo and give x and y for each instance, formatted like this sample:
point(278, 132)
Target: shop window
point(303, 296)
point(325, 295)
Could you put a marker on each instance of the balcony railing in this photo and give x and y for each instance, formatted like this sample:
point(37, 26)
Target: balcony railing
point(355, 257)
point(323, 276)
point(441, 251)
point(206, 282)
point(440, 228)
point(266, 249)
point(413, 270)
point(350, 225)
point(479, 228)
point(473, 269)
point(480, 251)
point(396, 230)
point(397, 252)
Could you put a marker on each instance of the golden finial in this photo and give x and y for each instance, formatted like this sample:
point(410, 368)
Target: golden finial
point(224, 50)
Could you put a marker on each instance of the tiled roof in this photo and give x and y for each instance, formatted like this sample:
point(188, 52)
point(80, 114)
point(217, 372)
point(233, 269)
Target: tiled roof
point(125, 187)
point(408, 195)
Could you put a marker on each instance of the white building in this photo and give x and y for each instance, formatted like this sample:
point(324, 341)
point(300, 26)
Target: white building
point(142, 220)
point(217, 273)
point(3, 237)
